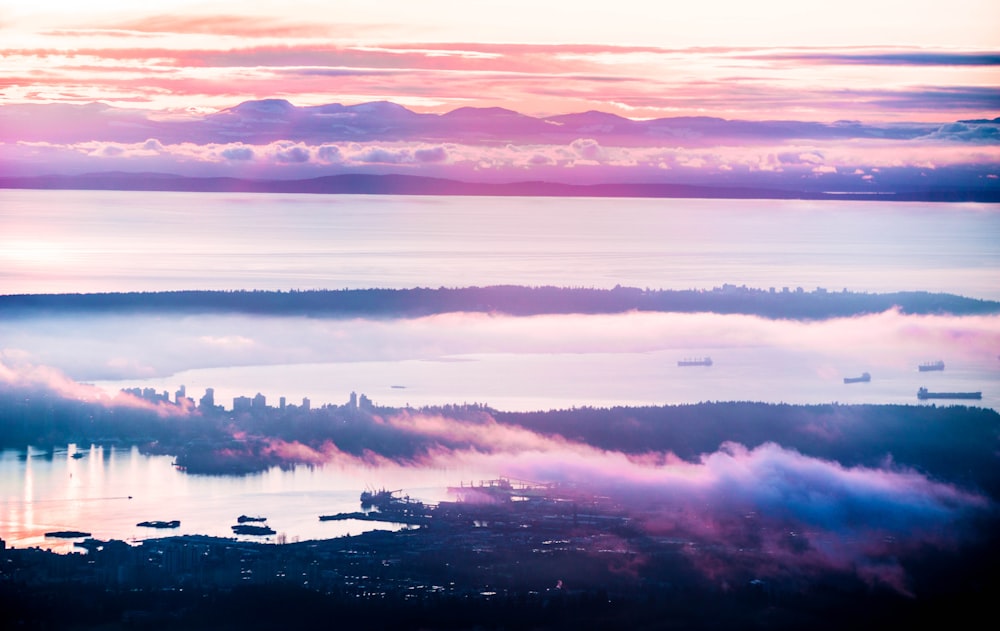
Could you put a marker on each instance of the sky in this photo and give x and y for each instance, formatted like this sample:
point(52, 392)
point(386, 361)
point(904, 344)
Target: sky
point(860, 85)
point(912, 60)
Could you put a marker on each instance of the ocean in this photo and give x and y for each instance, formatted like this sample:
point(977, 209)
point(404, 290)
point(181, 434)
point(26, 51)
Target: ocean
point(106, 241)
point(101, 241)
point(108, 490)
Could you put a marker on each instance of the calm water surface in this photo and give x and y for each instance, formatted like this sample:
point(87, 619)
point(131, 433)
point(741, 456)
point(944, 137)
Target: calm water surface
point(529, 382)
point(109, 490)
point(94, 241)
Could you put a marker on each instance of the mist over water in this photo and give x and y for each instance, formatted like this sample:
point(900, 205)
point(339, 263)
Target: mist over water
point(564, 361)
point(517, 363)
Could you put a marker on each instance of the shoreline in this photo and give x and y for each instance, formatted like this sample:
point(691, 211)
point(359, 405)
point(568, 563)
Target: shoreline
point(401, 184)
point(514, 300)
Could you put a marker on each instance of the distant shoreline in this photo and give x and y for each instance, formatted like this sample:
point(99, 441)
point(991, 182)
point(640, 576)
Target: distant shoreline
point(399, 184)
point(775, 303)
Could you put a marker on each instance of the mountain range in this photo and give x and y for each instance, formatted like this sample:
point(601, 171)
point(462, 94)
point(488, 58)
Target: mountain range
point(271, 120)
point(380, 147)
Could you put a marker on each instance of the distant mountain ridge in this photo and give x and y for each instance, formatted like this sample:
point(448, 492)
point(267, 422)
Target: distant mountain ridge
point(272, 145)
point(270, 120)
point(401, 184)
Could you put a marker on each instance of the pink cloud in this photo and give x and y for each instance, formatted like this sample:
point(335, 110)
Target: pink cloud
point(291, 153)
point(890, 339)
point(635, 81)
point(224, 24)
point(381, 155)
point(15, 372)
point(791, 514)
point(326, 453)
point(483, 434)
point(580, 162)
point(588, 149)
point(431, 154)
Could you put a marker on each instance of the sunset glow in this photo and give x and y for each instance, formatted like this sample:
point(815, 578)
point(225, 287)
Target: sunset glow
point(861, 60)
point(858, 87)
point(497, 314)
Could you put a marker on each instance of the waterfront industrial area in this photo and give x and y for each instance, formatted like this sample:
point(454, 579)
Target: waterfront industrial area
point(680, 544)
point(505, 555)
point(505, 552)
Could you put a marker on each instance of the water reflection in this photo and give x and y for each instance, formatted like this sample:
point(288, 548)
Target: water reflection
point(109, 490)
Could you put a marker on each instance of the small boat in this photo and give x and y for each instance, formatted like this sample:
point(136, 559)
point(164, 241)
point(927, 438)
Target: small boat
point(938, 365)
point(864, 378)
point(67, 534)
point(697, 361)
point(245, 518)
point(250, 529)
point(923, 393)
point(160, 524)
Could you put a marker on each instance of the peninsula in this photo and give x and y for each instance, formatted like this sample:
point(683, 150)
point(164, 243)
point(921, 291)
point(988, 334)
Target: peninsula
point(772, 302)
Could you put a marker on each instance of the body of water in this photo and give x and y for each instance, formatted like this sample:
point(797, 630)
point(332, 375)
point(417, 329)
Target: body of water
point(107, 491)
point(97, 241)
point(72, 241)
point(529, 382)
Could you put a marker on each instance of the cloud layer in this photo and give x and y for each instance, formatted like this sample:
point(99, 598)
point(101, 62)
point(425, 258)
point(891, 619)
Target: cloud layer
point(111, 347)
point(275, 140)
point(18, 374)
point(207, 58)
point(203, 91)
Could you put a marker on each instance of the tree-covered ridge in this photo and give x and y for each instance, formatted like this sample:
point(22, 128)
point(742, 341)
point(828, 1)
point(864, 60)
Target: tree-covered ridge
point(210, 439)
point(777, 303)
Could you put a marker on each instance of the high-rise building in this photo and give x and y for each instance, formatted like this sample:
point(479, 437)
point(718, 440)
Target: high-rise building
point(259, 402)
point(241, 404)
point(207, 401)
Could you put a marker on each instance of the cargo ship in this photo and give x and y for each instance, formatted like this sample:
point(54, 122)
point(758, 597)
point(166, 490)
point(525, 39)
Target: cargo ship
point(173, 523)
point(67, 534)
point(698, 361)
point(923, 393)
point(938, 365)
point(379, 499)
point(864, 378)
